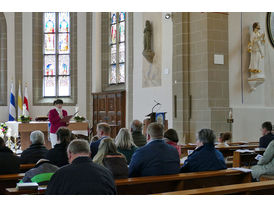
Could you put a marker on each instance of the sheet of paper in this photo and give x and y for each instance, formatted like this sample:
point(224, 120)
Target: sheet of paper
point(258, 157)
point(241, 169)
point(244, 150)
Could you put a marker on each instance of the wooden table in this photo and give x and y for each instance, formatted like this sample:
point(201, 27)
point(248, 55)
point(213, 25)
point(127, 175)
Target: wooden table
point(26, 128)
point(246, 159)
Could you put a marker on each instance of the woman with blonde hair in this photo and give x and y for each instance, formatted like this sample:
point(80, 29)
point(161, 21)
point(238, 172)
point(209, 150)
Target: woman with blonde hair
point(125, 144)
point(109, 157)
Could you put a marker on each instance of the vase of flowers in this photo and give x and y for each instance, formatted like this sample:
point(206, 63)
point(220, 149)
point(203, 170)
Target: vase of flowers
point(24, 119)
point(3, 130)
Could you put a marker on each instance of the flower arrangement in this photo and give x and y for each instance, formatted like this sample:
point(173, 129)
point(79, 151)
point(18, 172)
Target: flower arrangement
point(79, 118)
point(24, 119)
point(3, 129)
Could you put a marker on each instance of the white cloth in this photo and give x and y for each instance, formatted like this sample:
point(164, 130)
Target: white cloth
point(60, 112)
point(53, 139)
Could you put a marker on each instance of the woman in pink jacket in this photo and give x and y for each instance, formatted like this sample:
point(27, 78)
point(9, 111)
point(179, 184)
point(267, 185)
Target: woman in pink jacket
point(56, 116)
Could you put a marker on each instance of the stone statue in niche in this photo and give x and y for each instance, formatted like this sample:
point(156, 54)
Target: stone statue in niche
point(148, 53)
point(256, 50)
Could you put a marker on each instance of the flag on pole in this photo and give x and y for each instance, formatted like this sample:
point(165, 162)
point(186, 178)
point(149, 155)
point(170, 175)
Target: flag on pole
point(12, 110)
point(26, 101)
point(20, 102)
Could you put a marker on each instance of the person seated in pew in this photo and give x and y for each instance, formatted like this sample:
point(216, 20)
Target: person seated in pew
point(222, 140)
point(103, 131)
point(171, 138)
point(136, 131)
point(109, 157)
point(9, 162)
point(58, 155)
point(81, 136)
point(94, 138)
point(125, 144)
point(36, 150)
point(268, 136)
point(265, 165)
point(81, 176)
point(41, 173)
point(156, 157)
point(205, 157)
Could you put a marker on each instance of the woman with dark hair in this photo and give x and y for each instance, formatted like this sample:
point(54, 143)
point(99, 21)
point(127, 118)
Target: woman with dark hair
point(205, 157)
point(56, 120)
point(58, 155)
point(222, 140)
point(9, 162)
point(171, 138)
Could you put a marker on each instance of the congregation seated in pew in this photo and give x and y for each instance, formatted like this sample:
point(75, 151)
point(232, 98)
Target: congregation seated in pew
point(171, 138)
point(125, 144)
point(81, 176)
point(103, 131)
point(136, 131)
point(9, 162)
point(205, 157)
point(58, 154)
point(268, 136)
point(109, 157)
point(265, 165)
point(36, 150)
point(222, 140)
point(156, 157)
point(41, 173)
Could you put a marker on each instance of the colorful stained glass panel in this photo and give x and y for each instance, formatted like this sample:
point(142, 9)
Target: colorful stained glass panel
point(122, 31)
point(49, 65)
point(113, 18)
point(113, 54)
point(49, 22)
point(63, 44)
point(64, 86)
point(122, 16)
point(113, 34)
point(121, 75)
point(121, 52)
point(64, 25)
point(49, 86)
point(64, 66)
point(112, 73)
point(49, 43)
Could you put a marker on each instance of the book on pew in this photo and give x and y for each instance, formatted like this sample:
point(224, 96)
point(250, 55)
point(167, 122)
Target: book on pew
point(27, 186)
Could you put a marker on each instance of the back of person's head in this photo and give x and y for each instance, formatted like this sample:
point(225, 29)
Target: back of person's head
point(172, 135)
point(155, 130)
point(206, 136)
point(94, 138)
point(106, 147)
point(81, 136)
point(136, 126)
point(267, 125)
point(37, 137)
point(103, 129)
point(2, 142)
point(123, 139)
point(63, 135)
point(79, 146)
point(225, 136)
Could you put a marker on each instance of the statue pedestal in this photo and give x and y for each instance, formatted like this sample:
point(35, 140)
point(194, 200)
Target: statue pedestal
point(254, 83)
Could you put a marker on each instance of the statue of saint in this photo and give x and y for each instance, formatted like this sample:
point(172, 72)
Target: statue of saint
point(256, 49)
point(147, 52)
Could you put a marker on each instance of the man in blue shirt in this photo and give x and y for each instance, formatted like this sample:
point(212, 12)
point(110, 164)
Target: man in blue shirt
point(156, 157)
point(103, 131)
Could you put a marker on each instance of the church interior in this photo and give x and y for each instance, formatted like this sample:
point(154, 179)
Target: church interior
point(192, 72)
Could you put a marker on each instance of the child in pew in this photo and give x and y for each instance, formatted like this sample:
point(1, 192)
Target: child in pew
point(41, 173)
point(171, 138)
point(222, 140)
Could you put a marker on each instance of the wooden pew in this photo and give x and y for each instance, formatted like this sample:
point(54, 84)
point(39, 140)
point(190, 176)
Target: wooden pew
point(167, 183)
point(26, 167)
point(253, 188)
point(9, 180)
point(246, 159)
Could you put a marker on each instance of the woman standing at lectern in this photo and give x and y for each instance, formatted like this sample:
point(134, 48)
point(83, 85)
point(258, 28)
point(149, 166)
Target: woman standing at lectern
point(55, 118)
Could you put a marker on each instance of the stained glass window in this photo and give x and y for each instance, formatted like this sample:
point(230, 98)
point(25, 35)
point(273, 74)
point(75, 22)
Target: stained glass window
point(57, 75)
point(117, 47)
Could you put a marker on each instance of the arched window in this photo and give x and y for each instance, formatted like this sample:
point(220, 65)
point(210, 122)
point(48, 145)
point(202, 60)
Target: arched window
point(117, 48)
point(56, 54)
